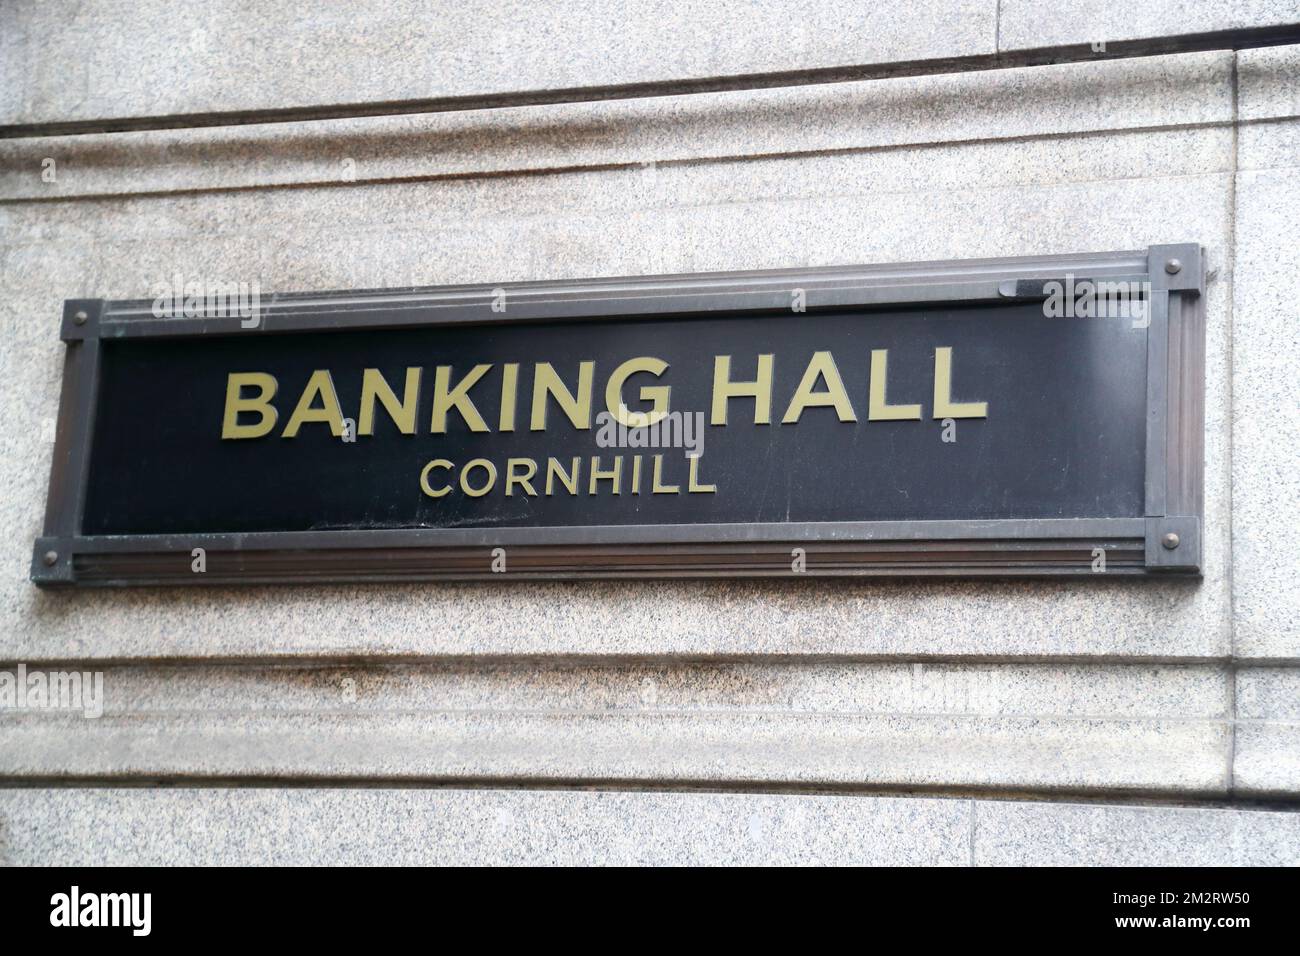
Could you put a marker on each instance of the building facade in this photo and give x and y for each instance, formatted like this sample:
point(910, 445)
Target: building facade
point(782, 719)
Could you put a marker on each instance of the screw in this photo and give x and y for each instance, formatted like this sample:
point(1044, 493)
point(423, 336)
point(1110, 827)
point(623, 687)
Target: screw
point(51, 557)
point(1170, 541)
point(80, 318)
point(1173, 267)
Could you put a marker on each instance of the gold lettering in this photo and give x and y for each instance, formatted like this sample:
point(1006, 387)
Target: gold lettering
point(322, 384)
point(878, 409)
point(509, 388)
point(693, 485)
point(424, 478)
point(611, 476)
point(236, 403)
point(657, 487)
point(524, 480)
point(547, 382)
point(446, 398)
point(760, 390)
point(569, 479)
point(944, 406)
point(657, 394)
point(487, 466)
point(822, 365)
point(374, 385)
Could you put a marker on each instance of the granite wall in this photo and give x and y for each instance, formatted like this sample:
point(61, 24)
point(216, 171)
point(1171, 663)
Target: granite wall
point(673, 721)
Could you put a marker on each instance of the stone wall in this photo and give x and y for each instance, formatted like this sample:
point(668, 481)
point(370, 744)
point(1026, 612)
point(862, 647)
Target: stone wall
point(828, 720)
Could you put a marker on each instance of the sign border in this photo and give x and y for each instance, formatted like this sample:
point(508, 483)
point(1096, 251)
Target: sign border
point(1166, 540)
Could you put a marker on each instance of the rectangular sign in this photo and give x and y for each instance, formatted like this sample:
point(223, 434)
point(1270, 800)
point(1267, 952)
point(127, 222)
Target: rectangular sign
point(1019, 416)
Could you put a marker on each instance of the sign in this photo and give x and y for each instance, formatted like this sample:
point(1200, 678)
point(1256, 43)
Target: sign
point(1019, 416)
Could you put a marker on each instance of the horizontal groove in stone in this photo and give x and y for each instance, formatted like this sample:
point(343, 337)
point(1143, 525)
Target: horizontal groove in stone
point(1083, 728)
point(794, 688)
point(634, 199)
point(1173, 91)
point(535, 92)
point(1072, 754)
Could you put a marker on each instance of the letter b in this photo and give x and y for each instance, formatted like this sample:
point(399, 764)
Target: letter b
point(236, 403)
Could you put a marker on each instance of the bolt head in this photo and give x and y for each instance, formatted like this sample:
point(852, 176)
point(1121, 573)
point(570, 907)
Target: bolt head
point(1170, 541)
point(80, 318)
point(1173, 266)
point(51, 558)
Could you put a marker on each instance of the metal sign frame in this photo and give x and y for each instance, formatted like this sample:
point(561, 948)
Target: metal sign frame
point(1167, 539)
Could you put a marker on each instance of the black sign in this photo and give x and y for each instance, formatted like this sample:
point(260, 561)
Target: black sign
point(995, 417)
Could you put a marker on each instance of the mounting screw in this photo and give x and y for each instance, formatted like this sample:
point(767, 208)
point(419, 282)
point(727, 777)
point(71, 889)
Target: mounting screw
point(51, 558)
point(80, 318)
point(1170, 541)
point(1173, 266)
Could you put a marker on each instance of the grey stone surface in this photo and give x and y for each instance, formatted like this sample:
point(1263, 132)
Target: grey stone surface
point(1136, 692)
point(1268, 102)
point(1050, 834)
point(1058, 194)
point(228, 56)
point(1268, 693)
point(470, 827)
point(1139, 94)
point(1268, 82)
point(1029, 24)
point(980, 685)
point(473, 827)
point(1042, 754)
point(1267, 753)
point(1271, 144)
point(1267, 759)
point(1052, 727)
point(1266, 414)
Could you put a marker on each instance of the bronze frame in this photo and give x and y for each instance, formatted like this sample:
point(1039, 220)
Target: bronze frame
point(1166, 540)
